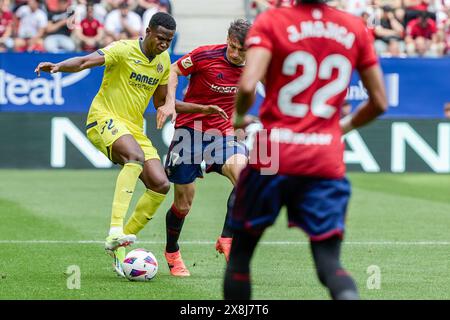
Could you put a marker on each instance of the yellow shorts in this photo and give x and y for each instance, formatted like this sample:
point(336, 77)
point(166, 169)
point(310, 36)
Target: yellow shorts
point(104, 132)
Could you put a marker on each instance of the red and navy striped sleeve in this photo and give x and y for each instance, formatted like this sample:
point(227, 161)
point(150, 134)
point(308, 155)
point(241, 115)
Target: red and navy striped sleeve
point(194, 60)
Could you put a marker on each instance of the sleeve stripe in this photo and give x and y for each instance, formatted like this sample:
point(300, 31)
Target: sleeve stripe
point(100, 52)
point(207, 53)
point(208, 57)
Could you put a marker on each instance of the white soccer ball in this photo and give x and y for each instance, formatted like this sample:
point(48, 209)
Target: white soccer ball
point(140, 265)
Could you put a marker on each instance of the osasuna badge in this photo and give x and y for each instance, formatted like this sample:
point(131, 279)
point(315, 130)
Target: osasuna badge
point(187, 63)
point(159, 68)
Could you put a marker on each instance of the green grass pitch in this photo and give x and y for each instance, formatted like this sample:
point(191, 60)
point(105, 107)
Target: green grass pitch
point(50, 220)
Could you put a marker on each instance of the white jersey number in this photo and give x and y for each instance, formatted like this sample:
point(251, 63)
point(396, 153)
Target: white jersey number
point(319, 107)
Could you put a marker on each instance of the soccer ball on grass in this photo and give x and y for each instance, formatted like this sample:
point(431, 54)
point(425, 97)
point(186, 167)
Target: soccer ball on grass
point(140, 265)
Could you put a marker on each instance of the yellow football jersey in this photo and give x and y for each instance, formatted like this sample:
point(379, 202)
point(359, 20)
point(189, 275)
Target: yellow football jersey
point(129, 81)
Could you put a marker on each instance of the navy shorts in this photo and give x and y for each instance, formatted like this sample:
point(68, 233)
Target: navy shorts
point(316, 205)
point(189, 148)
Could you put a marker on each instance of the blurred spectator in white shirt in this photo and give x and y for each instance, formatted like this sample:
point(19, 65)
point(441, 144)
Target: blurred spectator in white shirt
point(115, 4)
point(32, 25)
point(122, 24)
point(147, 15)
point(161, 6)
point(356, 7)
point(145, 5)
point(444, 33)
point(442, 11)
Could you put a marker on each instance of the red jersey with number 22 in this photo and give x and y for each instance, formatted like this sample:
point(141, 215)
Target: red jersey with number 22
point(214, 80)
point(314, 51)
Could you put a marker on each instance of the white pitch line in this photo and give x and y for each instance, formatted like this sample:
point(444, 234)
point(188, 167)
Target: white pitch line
point(274, 243)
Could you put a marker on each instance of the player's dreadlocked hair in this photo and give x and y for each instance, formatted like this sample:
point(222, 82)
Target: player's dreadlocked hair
point(164, 20)
point(238, 30)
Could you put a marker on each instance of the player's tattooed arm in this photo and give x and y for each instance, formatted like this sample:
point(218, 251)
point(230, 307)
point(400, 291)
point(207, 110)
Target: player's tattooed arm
point(187, 107)
point(72, 65)
point(258, 60)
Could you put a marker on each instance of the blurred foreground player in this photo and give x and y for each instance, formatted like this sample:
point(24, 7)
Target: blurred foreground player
point(306, 54)
point(135, 71)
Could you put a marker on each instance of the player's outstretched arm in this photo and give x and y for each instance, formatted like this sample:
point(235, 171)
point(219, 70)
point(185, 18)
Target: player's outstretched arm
point(372, 79)
point(175, 72)
point(163, 110)
point(258, 60)
point(188, 107)
point(167, 108)
point(72, 65)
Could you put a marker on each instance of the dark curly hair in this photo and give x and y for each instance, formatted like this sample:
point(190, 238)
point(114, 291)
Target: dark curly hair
point(238, 30)
point(164, 20)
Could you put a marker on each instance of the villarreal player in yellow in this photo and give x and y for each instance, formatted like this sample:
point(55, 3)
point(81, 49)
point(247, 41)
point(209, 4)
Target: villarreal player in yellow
point(135, 71)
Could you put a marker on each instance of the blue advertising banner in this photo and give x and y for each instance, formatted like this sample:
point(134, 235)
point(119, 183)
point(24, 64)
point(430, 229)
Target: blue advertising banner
point(417, 88)
point(22, 91)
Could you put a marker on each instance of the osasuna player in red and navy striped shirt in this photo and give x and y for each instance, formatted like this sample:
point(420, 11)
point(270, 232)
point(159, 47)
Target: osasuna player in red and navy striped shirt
point(204, 132)
point(307, 54)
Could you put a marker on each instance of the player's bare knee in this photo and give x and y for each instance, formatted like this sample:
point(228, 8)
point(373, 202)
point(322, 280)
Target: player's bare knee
point(165, 187)
point(162, 186)
point(184, 210)
point(233, 167)
point(135, 156)
point(183, 205)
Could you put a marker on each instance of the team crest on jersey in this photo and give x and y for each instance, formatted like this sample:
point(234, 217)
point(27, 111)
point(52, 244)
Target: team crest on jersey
point(114, 131)
point(159, 68)
point(187, 63)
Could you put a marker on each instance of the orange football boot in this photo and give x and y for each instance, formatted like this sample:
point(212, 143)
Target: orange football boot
point(223, 245)
point(176, 264)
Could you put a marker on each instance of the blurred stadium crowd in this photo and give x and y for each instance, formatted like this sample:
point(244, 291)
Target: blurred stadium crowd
point(58, 26)
point(400, 28)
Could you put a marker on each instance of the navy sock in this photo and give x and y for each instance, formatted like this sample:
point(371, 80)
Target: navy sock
point(237, 285)
point(174, 224)
point(331, 274)
point(227, 232)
